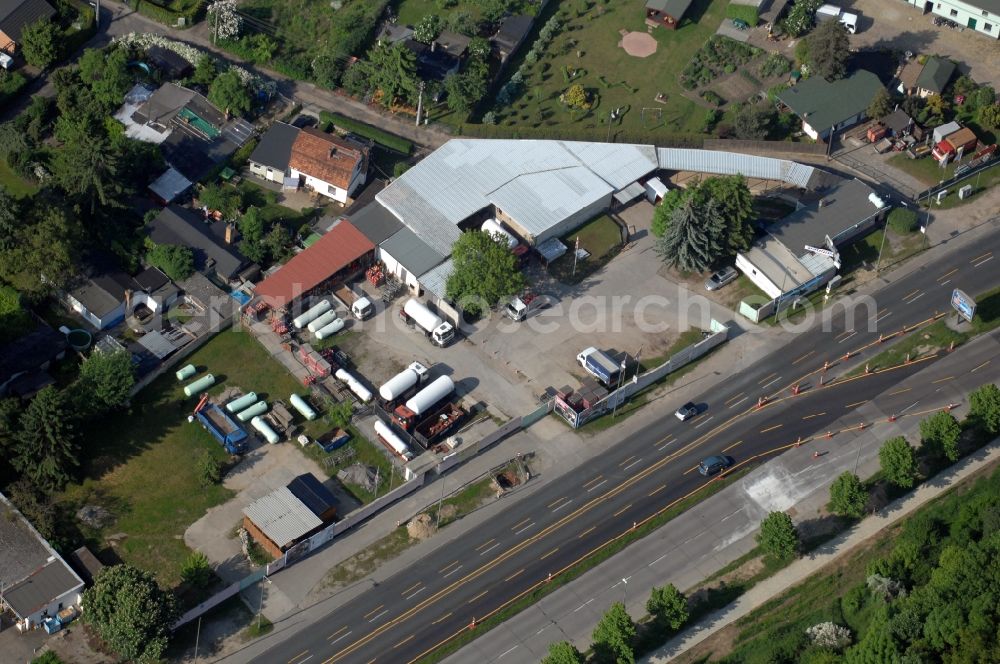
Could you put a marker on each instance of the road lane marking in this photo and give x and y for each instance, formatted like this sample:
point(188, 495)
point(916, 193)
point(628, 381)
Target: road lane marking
point(489, 541)
point(912, 292)
point(442, 618)
point(732, 446)
point(506, 652)
point(945, 282)
point(845, 332)
point(905, 389)
point(597, 486)
point(409, 638)
point(657, 560)
point(771, 383)
point(941, 380)
point(622, 510)
point(809, 417)
point(374, 610)
point(732, 398)
point(855, 404)
point(518, 532)
point(452, 572)
point(776, 426)
point(585, 486)
point(768, 377)
point(586, 532)
point(568, 502)
point(411, 596)
point(584, 605)
point(977, 258)
point(803, 357)
point(981, 366)
point(656, 491)
point(884, 315)
point(981, 262)
point(514, 575)
point(734, 405)
point(948, 274)
point(483, 553)
point(339, 631)
point(374, 618)
point(549, 553)
point(518, 525)
point(909, 407)
point(690, 469)
point(447, 567)
point(916, 298)
point(704, 422)
point(632, 464)
point(342, 636)
point(411, 588)
point(847, 337)
point(557, 501)
point(304, 652)
point(626, 461)
point(479, 596)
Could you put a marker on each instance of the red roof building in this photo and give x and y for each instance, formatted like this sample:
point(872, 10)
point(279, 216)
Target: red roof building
point(328, 164)
point(343, 250)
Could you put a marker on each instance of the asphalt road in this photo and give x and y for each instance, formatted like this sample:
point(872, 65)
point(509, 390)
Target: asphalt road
point(411, 613)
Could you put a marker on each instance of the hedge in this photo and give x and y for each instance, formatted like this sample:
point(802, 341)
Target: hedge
point(598, 134)
point(383, 138)
point(902, 220)
point(743, 13)
point(12, 83)
point(169, 17)
point(73, 40)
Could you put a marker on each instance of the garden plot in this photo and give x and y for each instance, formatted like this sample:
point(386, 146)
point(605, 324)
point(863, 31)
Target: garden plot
point(724, 72)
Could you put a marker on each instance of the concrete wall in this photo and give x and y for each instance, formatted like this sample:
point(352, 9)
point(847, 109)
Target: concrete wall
point(583, 216)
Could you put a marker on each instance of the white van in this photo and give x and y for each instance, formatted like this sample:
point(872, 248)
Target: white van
point(850, 22)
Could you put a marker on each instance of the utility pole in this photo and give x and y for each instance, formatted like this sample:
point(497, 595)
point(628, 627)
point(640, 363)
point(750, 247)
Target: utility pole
point(260, 605)
point(885, 231)
point(197, 637)
point(440, 502)
point(618, 390)
point(420, 103)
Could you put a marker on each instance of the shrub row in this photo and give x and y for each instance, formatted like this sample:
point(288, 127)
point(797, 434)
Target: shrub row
point(383, 138)
point(169, 17)
point(600, 134)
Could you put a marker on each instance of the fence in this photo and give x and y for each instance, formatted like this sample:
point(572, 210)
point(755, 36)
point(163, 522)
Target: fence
point(941, 186)
point(787, 147)
point(684, 356)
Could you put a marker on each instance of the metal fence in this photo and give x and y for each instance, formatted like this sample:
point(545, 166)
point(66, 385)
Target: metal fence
point(784, 147)
point(941, 186)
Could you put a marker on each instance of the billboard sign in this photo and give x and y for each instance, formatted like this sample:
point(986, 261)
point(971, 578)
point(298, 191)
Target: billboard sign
point(963, 304)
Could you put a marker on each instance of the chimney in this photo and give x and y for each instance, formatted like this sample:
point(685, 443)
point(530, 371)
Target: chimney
point(229, 233)
point(434, 45)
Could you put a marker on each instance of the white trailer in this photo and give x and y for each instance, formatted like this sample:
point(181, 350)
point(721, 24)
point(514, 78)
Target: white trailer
point(401, 382)
point(392, 441)
point(431, 395)
point(439, 331)
point(311, 314)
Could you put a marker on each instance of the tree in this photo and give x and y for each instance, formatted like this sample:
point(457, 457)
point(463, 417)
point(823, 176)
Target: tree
point(563, 652)
point(778, 537)
point(196, 570)
point(485, 272)
point(37, 508)
point(262, 48)
point(732, 195)
point(464, 90)
point(205, 71)
point(880, 105)
point(47, 448)
point(427, 28)
point(939, 435)
point(177, 262)
point(751, 123)
point(663, 211)
point(576, 97)
point(692, 240)
point(228, 92)
point(848, 496)
point(87, 168)
point(130, 612)
point(829, 49)
point(252, 229)
point(45, 244)
point(209, 469)
point(224, 20)
point(902, 220)
point(668, 606)
point(937, 107)
point(40, 43)
point(328, 67)
point(106, 380)
point(989, 116)
point(221, 198)
point(613, 636)
point(801, 16)
point(898, 461)
point(984, 408)
point(393, 71)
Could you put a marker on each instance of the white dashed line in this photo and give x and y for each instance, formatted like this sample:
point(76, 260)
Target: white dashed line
point(704, 422)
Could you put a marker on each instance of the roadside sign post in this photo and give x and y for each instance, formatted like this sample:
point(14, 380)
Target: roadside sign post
point(964, 306)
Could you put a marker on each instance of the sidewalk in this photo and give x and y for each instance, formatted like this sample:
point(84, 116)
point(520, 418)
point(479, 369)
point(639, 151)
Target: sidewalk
point(802, 569)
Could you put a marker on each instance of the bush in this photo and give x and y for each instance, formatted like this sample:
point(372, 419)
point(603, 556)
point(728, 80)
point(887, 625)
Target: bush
point(848, 496)
point(712, 97)
point(196, 571)
point(778, 537)
point(383, 138)
point(775, 65)
point(744, 13)
point(903, 221)
point(209, 469)
point(177, 262)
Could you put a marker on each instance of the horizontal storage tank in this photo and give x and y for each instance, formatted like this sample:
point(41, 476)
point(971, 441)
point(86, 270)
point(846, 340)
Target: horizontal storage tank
point(203, 383)
point(493, 227)
point(425, 399)
point(392, 440)
point(239, 403)
point(354, 384)
point(330, 329)
point(186, 372)
point(258, 408)
point(299, 404)
point(398, 384)
point(423, 316)
point(322, 321)
point(311, 314)
point(265, 429)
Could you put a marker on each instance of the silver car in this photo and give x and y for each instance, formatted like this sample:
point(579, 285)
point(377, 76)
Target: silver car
point(721, 278)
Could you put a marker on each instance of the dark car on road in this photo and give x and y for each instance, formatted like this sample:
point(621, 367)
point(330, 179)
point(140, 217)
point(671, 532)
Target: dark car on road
point(687, 411)
point(715, 464)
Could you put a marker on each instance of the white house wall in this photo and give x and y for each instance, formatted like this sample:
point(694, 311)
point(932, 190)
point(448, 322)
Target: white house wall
point(757, 277)
point(393, 267)
point(51, 609)
point(321, 187)
point(571, 222)
point(984, 22)
point(266, 172)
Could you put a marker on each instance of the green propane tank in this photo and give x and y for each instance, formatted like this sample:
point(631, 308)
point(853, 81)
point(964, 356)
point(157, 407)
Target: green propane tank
point(200, 385)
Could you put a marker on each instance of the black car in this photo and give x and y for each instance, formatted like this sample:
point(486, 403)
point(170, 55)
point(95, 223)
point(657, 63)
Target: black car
point(687, 411)
point(714, 464)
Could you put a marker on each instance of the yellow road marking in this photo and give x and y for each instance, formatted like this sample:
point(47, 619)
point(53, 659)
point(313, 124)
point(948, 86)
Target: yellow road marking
point(941, 380)
point(626, 461)
point(690, 469)
point(735, 398)
point(656, 491)
point(666, 439)
point(977, 258)
point(479, 596)
point(413, 587)
point(374, 610)
point(587, 485)
point(301, 654)
point(409, 638)
point(485, 544)
point(845, 333)
point(948, 274)
point(857, 403)
point(549, 553)
point(338, 632)
point(803, 357)
point(912, 292)
point(586, 532)
point(776, 426)
point(905, 389)
point(557, 501)
point(732, 446)
point(809, 417)
point(622, 509)
point(447, 567)
point(516, 526)
point(445, 616)
point(514, 575)
point(981, 366)
point(762, 380)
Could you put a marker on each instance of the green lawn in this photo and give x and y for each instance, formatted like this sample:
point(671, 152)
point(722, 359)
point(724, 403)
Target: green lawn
point(601, 237)
point(15, 185)
point(927, 171)
point(365, 453)
point(139, 464)
point(589, 42)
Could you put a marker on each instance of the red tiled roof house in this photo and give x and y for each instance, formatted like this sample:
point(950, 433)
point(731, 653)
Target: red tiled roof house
point(327, 164)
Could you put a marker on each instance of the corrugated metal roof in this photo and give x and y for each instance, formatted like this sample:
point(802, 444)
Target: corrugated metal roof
point(436, 281)
point(733, 163)
point(539, 201)
point(619, 165)
point(281, 516)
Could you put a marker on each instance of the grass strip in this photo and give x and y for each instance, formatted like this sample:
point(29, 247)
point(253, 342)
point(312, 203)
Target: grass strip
point(383, 138)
